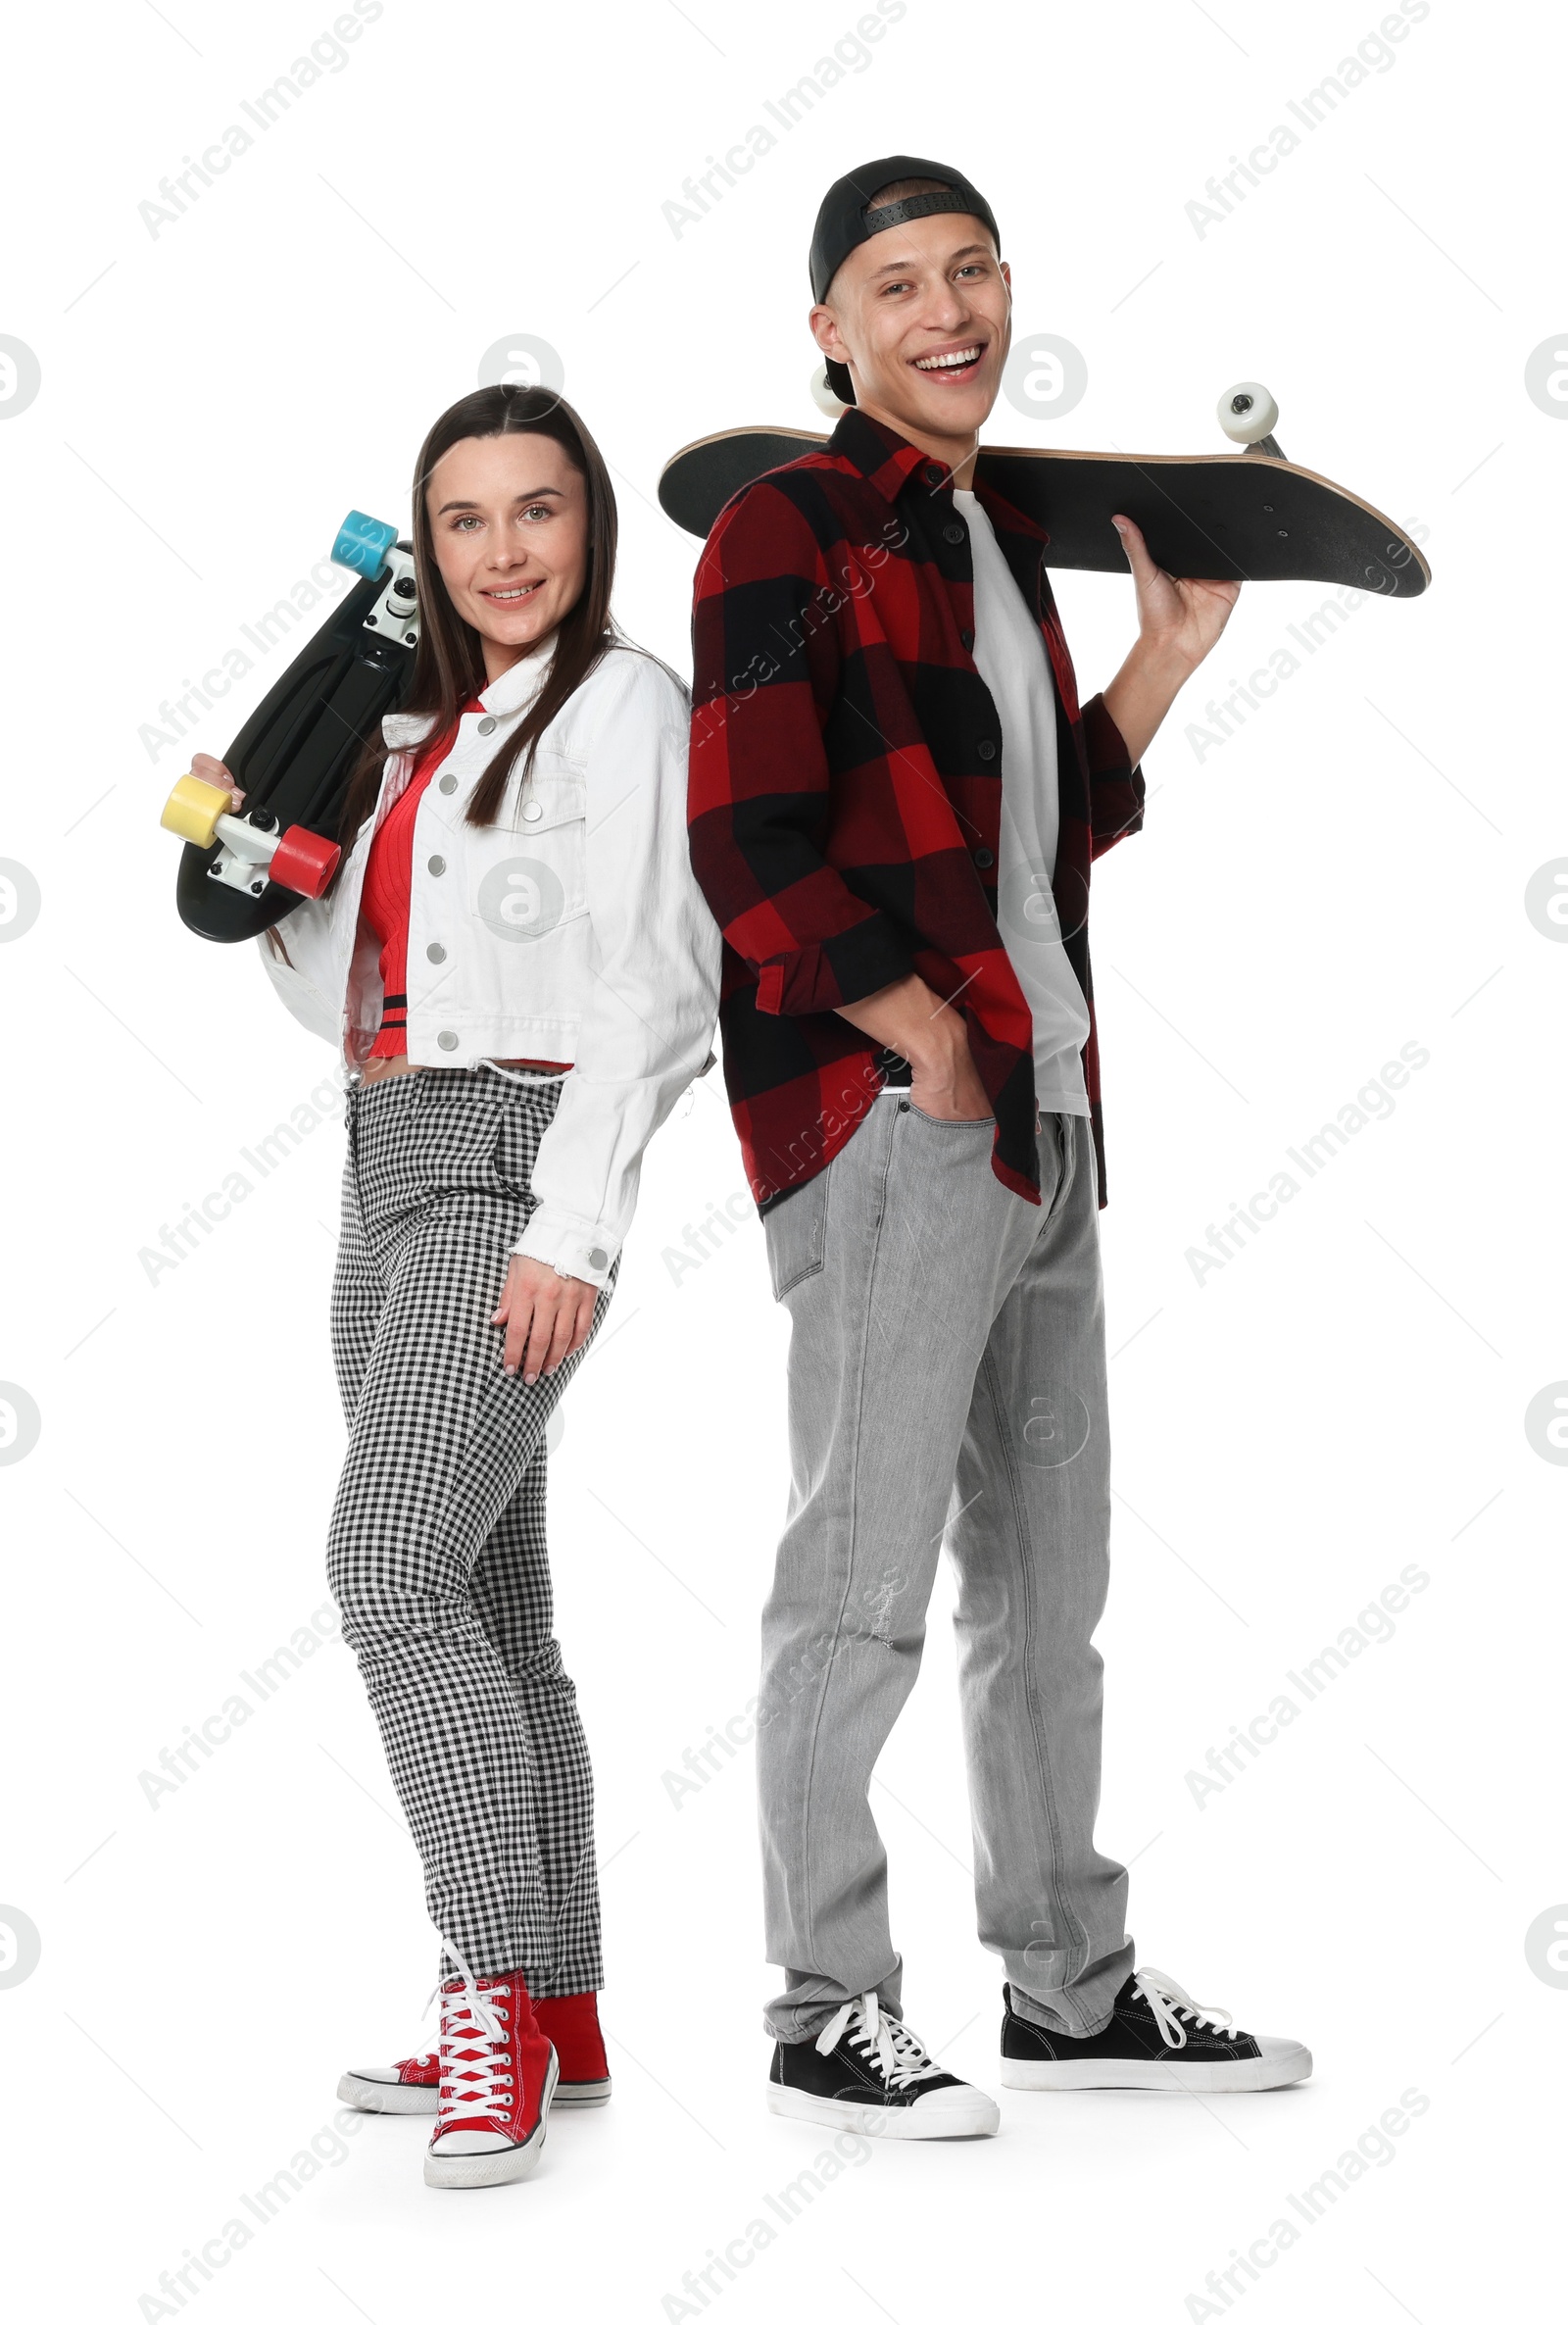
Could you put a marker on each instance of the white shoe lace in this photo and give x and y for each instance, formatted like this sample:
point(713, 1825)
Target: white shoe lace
point(1165, 1998)
point(479, 2082)
point(900, 2053)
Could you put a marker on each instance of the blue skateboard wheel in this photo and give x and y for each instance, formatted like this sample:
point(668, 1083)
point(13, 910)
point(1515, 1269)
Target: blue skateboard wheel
point(362, 543)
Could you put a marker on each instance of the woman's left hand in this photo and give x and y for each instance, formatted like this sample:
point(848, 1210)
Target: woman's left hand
point(547, 1316)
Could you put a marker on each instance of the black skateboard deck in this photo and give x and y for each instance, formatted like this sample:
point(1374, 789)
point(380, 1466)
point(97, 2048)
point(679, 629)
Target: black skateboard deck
point(295, 753)
point(1211, 516)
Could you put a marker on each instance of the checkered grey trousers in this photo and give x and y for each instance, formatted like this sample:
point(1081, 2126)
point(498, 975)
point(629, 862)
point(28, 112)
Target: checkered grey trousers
point(436, 1553)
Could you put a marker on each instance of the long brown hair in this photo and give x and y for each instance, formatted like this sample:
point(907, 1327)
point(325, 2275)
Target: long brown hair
point(449, 658)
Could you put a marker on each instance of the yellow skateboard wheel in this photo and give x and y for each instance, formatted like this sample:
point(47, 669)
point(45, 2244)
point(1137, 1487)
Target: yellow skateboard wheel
point(193, 808)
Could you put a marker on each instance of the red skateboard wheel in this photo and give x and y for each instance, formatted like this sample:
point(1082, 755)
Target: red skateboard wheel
point(304, 861)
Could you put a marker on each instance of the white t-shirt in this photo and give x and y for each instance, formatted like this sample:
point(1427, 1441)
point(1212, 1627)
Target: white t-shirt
point(1010, 655)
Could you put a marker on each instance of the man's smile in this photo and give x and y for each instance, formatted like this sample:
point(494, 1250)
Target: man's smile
point(952, 363)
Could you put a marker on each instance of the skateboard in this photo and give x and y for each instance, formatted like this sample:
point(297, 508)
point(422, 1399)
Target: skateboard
point(1252, 516)
point(241, 875)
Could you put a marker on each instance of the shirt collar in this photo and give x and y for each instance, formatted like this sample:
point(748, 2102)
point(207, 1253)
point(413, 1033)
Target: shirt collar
point(882, 456)
point(512, 691)
point(889, 461)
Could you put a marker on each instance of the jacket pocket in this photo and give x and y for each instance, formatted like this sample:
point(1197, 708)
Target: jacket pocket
point(796, 1233)
point(529, 872)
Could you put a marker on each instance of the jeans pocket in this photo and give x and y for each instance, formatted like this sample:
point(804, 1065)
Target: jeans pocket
point(955, 1122)
point(796, 1234)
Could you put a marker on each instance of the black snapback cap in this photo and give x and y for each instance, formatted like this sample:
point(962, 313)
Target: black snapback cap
point(842, 224)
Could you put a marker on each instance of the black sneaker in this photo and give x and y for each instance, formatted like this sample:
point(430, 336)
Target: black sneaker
point(1158, 2039)
point(866, 2072)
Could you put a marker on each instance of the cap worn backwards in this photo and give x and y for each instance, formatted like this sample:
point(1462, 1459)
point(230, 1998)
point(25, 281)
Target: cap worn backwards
point(843, 222)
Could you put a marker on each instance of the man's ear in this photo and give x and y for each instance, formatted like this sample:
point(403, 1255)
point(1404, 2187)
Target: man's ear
point(825, 331)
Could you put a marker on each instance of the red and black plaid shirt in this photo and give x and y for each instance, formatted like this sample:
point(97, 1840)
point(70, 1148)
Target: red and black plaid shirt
point(846, 794)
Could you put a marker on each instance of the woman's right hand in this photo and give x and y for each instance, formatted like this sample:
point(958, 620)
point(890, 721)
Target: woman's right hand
point(208, 769)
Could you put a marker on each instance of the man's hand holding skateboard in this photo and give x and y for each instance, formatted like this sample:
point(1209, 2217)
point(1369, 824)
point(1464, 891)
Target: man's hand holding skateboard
point(1178, 622)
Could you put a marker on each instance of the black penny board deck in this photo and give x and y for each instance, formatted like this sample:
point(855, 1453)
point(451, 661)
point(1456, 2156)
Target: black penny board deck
point(1211, 516)
point(295, 753)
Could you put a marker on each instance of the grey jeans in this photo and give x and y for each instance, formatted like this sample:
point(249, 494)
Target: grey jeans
point(946, 1379)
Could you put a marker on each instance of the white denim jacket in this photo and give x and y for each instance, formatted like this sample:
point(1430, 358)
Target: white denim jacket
point(571, 928)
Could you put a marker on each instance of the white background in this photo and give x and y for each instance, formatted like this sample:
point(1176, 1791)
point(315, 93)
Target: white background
point(1343, 1398)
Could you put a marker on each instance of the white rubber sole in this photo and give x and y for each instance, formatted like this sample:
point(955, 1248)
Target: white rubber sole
point(501, 2165)
point(976, 2117)
point(1290, 2065)
point(583, 2094)
point(374, 2098)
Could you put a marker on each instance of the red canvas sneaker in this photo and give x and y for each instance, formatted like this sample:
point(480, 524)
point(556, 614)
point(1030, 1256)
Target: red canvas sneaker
point(571, 2022)
point(409, 2086)
point(498, 2078)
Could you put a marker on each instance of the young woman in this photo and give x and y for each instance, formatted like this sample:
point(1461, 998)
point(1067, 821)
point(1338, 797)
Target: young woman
point(522, 978)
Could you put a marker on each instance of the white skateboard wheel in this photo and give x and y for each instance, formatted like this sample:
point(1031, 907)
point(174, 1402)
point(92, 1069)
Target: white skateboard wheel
point(823, 395)
point(1248, 413)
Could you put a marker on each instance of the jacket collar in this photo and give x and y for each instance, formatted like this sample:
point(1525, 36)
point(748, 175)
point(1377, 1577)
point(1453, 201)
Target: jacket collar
point(511, 692)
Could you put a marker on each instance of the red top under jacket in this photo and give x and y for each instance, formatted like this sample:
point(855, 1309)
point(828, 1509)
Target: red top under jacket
point(384, 898)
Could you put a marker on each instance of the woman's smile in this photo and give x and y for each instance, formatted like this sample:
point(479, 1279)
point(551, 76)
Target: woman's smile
point(510, 593)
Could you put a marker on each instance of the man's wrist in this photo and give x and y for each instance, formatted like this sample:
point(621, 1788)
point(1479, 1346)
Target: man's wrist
point(1163, 669)
point(937, 1055)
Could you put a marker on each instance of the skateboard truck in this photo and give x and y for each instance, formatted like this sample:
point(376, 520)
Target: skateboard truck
point(252, 850)
point(1247, 414)
point(370, 548)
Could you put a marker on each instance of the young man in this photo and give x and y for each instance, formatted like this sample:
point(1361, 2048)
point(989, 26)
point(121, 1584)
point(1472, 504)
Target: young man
point(895, 798)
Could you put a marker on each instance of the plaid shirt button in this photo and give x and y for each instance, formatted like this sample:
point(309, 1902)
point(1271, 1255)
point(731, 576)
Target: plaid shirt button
point(983, 859)
point(985, 749)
